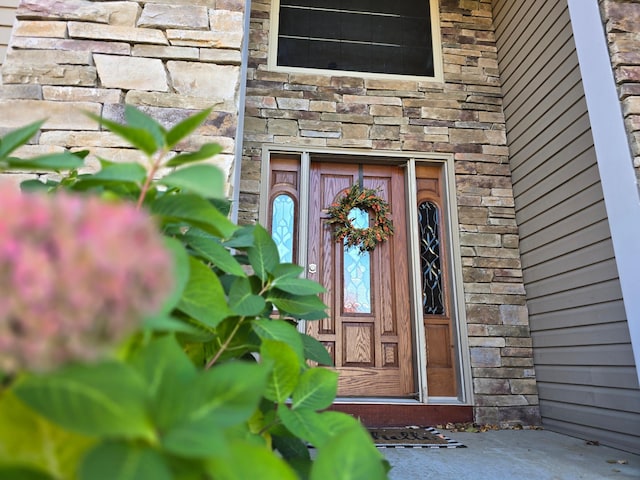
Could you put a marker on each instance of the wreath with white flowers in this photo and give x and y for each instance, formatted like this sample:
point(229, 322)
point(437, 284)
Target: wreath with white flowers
point(365, 238)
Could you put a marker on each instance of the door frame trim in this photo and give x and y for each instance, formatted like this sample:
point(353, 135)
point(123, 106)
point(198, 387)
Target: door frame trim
point(409, 159)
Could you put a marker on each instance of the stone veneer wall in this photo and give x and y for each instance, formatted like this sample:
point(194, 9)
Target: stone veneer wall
point(622, 26)
point(462, 116)
point(168, 57)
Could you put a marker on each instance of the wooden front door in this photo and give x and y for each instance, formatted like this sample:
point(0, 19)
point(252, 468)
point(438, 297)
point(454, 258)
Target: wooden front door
point(368, 332)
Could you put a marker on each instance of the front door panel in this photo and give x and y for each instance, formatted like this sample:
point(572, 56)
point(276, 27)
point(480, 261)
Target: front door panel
point(368, 332)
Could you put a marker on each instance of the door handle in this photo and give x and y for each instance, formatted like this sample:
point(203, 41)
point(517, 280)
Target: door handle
point(312, 268)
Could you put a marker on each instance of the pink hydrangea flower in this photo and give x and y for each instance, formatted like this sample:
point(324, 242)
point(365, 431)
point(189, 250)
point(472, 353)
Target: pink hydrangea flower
point(77, 274)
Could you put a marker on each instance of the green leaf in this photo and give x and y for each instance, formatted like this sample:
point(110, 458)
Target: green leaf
point(100, 399)
point(206, 151)
point(54, 161)
point(285, 370)
point(203, 298)
point(242, 238)
point(205, 180)
point(306, 306)
point(245, 461)
point(282, 331)
point(215, 253)
point(286, 277)
point(298, 286)
point(290, 447)
point(181, 271)
point(119, 172)
point(29, 439)
point(185, 127)
point(337, 422)
point(138, 119)
point(242, 300)
point(227, 394)
point(349, 456)
point(168, 372)
point(38, 186)
point(83, 154)
point(113, 460)
point(197, 439)
point(17, 138)
point(166, 324)
point(263, 255)
point(138, 137)
point(23, 473)
point(305, 424)
point(287, 270)
point(316, 389)
point(195, 210)
point(315, 351)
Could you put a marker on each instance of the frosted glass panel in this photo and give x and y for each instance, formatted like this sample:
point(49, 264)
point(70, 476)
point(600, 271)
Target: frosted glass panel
point(357, 270)
point(282, 226)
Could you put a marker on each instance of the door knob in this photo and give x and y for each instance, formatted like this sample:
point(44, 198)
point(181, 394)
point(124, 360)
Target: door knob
point(312, 268)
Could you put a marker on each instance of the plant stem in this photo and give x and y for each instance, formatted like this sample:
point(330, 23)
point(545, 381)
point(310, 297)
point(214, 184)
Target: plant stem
point(225, 345)
point(156, 161)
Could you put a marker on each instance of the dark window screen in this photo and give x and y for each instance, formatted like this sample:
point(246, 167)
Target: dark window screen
point(378, 36)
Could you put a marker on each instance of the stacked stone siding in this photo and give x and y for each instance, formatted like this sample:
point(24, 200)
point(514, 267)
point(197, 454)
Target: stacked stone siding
point(169, 58)
point(621, 20)
point(461, 116)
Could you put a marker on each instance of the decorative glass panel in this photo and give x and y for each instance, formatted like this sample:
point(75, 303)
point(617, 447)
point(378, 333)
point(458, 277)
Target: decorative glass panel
point(357, 270)
point(430, 260)
point(282, 226)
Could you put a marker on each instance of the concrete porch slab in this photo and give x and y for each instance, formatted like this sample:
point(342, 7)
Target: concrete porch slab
point(513, 455)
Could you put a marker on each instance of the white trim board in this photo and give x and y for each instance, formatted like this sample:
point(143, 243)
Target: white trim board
point(615, 163)
point(242, 93)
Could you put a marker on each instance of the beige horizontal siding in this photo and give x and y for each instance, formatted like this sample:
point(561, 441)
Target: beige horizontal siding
point(609, 427)
point(597, 376)
point(588, 314)
point(584, 363)
point(612, 333)
point(7, 16)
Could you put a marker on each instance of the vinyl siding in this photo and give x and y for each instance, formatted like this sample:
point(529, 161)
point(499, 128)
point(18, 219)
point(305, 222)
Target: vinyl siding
point(584, 363)
point(7, 16)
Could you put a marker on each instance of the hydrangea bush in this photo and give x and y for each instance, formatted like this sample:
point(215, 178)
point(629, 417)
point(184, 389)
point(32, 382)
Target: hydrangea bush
point(81, 273)
point(214, 382)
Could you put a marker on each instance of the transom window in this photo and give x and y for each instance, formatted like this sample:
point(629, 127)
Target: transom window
point(376, 36)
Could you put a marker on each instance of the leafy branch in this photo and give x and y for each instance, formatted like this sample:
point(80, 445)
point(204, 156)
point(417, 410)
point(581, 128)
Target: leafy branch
point(189, 405)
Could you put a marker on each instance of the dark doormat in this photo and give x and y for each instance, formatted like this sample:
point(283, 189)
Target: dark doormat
point(411, 437)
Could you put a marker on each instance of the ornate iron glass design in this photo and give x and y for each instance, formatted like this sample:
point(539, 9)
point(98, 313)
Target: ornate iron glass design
point(430, 259)
point(357, 270)
point(282, 226)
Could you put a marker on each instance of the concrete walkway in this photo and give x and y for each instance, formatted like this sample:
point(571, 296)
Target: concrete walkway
point(513, 455)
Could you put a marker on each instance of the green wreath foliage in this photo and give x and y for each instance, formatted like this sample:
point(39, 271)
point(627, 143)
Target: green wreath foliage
point(365, 238)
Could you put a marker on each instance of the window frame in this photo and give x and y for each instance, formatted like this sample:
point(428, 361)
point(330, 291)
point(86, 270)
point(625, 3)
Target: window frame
point(436, 40)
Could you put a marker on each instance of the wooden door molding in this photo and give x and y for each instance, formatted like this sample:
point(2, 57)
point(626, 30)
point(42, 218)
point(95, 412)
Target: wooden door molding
point(439, 332)
point(372, 350)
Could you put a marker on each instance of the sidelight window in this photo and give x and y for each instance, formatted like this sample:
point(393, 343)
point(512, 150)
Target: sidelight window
point(430, 259)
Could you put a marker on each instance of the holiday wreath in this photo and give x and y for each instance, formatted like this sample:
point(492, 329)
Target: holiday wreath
point(364, 238)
